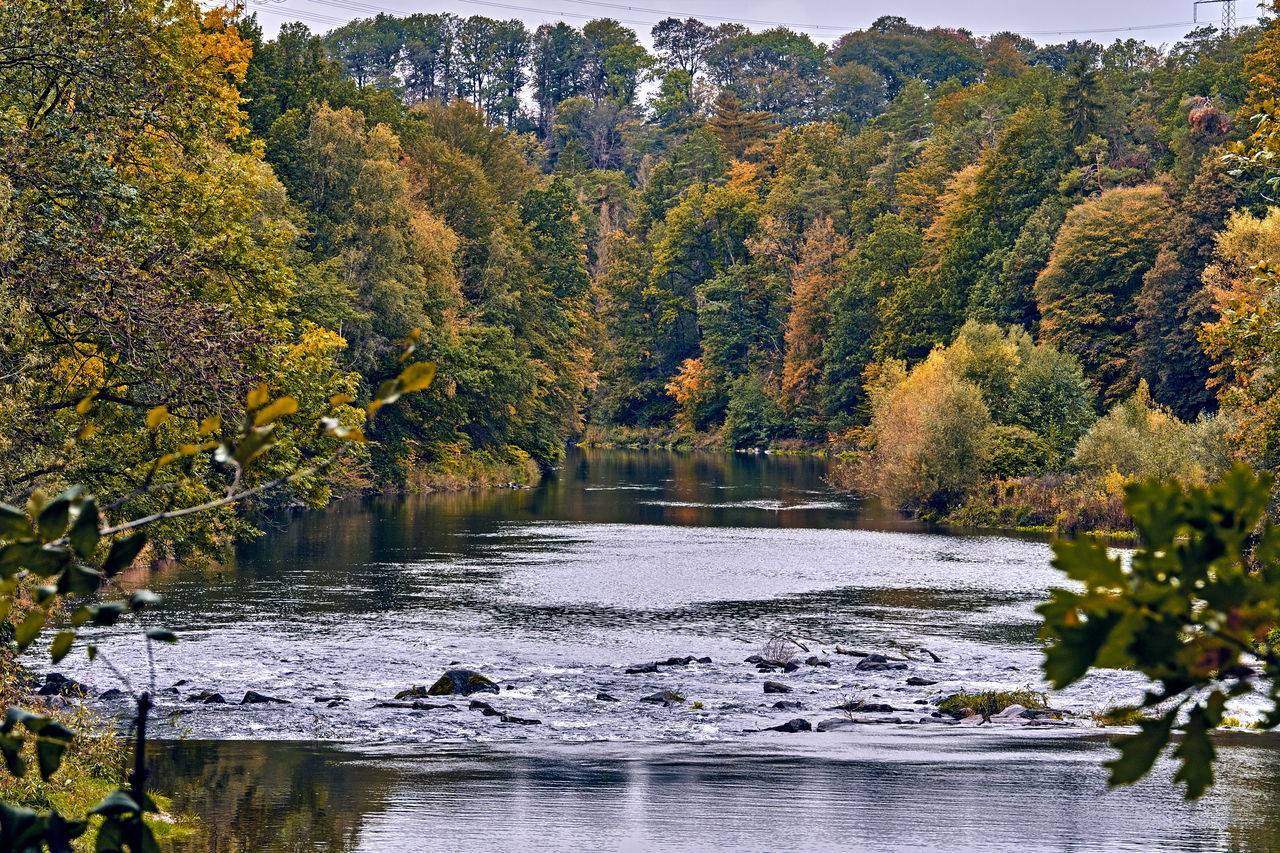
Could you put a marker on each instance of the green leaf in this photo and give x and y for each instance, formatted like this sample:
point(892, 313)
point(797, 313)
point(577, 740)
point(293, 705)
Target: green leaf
point(84, 531)
point(49, 756)
point(53, 518)
point(116, 803)
point(142, 599)
point(43, 560)
point(11, 747)
point(111, 836)
point(256, 442)
point(29, 628)
point(1196, 754)
point(106, 615)
point(1076, 650)
point(79, 580)
point(123, 552)
point(14, 524)
point(160, 635)
point(1138, 752)
point(61, 645)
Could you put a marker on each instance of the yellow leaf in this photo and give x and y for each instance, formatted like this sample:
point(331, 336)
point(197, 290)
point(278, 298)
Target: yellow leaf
point(417, 376)
point(278, 409)
point(166, 459)
point(157, 416)
point(188, 450)
point(340, 400)
point(258, 397)
point(210, 424)
point(89, 429)
point(85, 405)
point(373, 407)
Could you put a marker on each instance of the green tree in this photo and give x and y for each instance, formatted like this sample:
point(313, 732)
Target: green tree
point(1088, 292)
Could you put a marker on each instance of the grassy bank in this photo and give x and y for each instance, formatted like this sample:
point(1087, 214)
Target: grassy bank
point(92, 768)
point(458, 469)
point(664, 438)
point(1064, 503)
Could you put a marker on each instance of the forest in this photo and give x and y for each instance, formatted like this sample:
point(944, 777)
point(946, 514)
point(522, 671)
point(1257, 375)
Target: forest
point(1005, 284)
point(1002, 279)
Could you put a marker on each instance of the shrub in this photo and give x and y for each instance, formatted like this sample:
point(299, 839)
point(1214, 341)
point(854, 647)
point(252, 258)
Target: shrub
point(1137, 439)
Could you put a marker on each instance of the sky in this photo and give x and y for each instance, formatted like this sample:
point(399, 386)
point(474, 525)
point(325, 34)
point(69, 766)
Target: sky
point(1154, 21)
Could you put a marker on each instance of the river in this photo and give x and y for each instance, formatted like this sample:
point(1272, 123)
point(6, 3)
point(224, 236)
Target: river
point(625, 558)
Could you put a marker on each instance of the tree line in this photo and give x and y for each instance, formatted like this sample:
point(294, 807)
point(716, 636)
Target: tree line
point(774, 242)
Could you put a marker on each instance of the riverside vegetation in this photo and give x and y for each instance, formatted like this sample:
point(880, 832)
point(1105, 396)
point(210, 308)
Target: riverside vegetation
point(1011, 280)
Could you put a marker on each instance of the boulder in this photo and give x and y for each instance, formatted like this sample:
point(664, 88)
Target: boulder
point(756, 659)
point(57, 684)
point(208, 697)
point(1013, 712)
point(788, 705)
point(799, 724)
point(113, 694)
point(917, 681)
point(640, 668)
point(776, 687)
point(413, 706)
point(704, 660)
point(663, 697)
point(253, 697)
point(791, 666)
point(461, 682)
point(858, 706)
point(484, 708)
point(835, 724)
point(878, 663)
point(605, 697)
point(511, 718)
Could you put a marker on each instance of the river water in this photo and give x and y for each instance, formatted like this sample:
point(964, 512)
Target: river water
point(625, 558)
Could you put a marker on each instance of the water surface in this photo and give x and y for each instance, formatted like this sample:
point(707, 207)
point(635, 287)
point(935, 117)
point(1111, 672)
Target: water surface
point(624, 558)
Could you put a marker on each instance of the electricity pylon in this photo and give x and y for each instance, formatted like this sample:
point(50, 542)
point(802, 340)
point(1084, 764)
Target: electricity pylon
point(1228, 13)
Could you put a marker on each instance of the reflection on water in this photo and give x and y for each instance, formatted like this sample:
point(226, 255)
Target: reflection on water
point(954, 791)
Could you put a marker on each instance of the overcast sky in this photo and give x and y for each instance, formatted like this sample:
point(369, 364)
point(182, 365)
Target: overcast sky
point(1155, 21)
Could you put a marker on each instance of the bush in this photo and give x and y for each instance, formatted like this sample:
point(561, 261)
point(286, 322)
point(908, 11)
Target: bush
point(926, 437)
point(1013, 451)
point(1139, 439)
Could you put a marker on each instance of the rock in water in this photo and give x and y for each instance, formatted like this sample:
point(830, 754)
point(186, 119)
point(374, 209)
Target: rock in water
point(462, 682)
point(917, 681)
point(113, 694)
point(799, 724)
point(776, 687)
point(877, 663)
point(57, 684)
point(605, 697)
point(834, 725)
point(253, 697)
point(788, 705)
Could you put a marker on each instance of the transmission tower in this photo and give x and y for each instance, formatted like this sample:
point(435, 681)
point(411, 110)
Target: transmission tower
point(1228, 13)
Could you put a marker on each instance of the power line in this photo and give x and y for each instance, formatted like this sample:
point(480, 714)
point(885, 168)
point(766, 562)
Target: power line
point(364, 8)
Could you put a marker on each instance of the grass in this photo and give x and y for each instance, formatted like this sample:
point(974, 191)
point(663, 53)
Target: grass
point(991, 702)
point(92, 768)
point(1123, 715)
